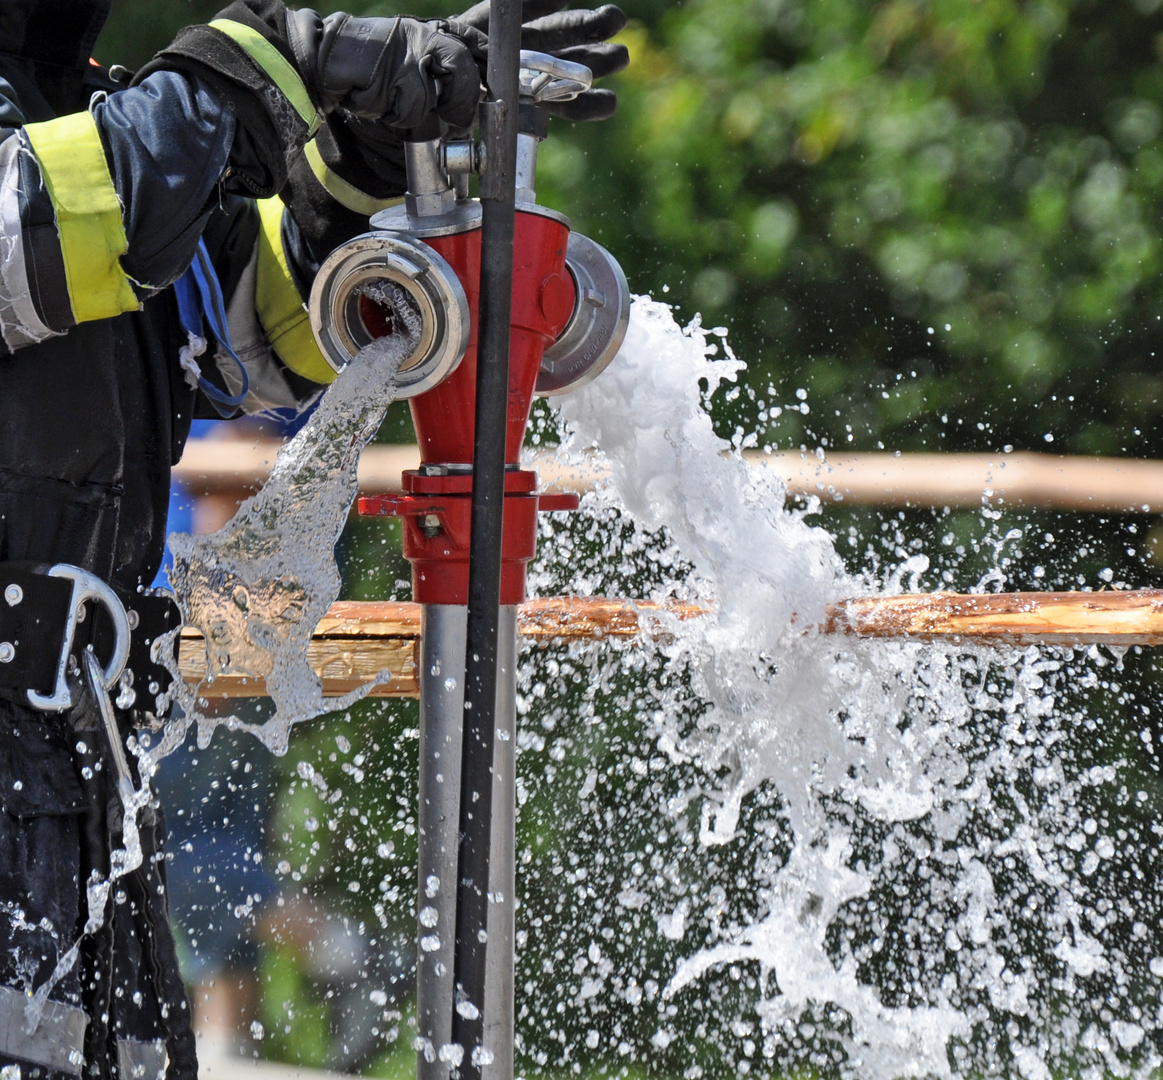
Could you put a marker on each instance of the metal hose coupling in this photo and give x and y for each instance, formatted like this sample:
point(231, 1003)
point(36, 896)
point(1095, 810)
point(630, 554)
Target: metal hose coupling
point(597, 327)
point(381, 285)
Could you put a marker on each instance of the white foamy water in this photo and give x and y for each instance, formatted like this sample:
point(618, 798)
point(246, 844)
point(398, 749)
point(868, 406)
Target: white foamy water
point(258, 586)
point(926, 901)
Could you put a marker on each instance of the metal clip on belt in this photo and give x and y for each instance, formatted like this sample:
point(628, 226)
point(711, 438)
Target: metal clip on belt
point(86, 587)
point(50, 616)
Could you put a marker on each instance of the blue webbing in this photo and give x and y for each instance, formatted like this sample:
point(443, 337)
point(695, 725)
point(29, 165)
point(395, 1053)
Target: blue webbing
point(198, 293)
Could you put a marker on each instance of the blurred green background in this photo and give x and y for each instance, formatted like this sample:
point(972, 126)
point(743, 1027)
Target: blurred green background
point(940, 219)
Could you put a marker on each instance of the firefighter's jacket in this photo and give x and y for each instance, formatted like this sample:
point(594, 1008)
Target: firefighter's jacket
point(100, 211)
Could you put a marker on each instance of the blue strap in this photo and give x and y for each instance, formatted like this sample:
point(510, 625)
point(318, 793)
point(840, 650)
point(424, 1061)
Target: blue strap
point(198, 293)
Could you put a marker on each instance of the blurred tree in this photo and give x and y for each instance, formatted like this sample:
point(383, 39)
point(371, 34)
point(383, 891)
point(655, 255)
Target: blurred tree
point(925, 213)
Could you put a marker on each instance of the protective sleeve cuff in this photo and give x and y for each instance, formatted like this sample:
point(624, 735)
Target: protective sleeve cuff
point(244, 58)
point(280, 307)
point(92, 236)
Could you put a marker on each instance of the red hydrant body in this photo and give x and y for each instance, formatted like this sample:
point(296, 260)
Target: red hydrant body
point(436, 504)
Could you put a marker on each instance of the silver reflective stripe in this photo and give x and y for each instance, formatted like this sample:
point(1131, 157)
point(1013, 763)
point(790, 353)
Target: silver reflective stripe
point(269, 388)
point(59, 1038)
point(139, 1060)
point(19, 322)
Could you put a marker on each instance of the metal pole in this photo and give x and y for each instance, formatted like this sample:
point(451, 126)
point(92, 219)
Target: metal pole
point(441, 711)
point(441, 705)
point(499, 134)
point(500, 957)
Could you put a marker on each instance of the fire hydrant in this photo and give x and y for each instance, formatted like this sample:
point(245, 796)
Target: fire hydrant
point(570, 308)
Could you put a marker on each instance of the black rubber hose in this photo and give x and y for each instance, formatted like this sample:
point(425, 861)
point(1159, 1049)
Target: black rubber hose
point(499, 135)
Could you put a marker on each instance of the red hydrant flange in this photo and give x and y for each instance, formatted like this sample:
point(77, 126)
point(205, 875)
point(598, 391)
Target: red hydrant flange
point(437, 529)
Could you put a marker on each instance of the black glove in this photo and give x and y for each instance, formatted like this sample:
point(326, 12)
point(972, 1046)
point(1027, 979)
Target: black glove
point(580, 36)
point(398, 71)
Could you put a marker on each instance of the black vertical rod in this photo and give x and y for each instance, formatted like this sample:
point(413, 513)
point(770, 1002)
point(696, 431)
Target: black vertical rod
point(499, 135)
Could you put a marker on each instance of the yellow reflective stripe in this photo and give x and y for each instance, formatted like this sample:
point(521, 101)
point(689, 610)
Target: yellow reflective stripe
point(280, 308)
point(275, 65)
point(341, 191)
point(88, 212)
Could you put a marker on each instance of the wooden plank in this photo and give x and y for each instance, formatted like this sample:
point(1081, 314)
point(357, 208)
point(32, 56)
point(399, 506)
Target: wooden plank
point(596, 617)
point(1048, 481)
point(238, 467)
point(356, 640)
point(343, 663)
point(377, 618)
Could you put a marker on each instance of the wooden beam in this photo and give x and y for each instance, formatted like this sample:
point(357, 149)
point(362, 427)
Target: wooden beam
point(1071, 618)
point(239, 467)
point(1048, 481)
point(356, 640)
point(345, 652)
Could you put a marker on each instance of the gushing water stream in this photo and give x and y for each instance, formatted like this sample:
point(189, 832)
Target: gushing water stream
point(773, 720)
point(782, 851)
point(258, 587)
point(943, 897)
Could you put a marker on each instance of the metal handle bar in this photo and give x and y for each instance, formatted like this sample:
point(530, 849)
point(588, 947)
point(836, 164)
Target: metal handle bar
point(549, 78)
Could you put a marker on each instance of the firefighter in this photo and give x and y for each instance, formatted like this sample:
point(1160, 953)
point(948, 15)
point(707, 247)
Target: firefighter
point(159, 234)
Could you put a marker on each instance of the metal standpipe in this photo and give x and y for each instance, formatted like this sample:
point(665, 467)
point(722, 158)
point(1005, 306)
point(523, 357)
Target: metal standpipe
point(442, 649)
point(510, 304)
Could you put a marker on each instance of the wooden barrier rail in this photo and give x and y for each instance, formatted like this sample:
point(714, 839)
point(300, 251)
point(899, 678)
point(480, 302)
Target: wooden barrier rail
point(233, 469)
point(356, 640)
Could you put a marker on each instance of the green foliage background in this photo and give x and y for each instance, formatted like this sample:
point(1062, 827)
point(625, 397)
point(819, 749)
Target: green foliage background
point(940, 218)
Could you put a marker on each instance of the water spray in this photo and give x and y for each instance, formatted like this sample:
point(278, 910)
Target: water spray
point(484, 278)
